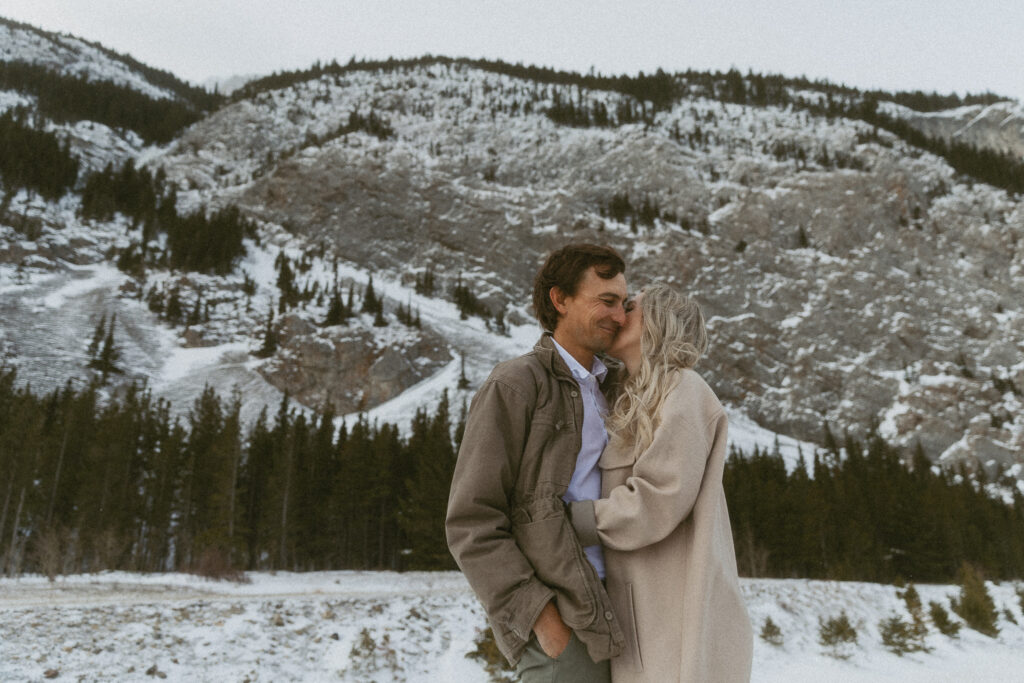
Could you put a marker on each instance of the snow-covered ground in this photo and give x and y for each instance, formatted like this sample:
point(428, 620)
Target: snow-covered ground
point(417, 626)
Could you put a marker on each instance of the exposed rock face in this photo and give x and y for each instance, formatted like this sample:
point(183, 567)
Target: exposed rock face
point(998, 126)
point(350, 367)
point(838, 286)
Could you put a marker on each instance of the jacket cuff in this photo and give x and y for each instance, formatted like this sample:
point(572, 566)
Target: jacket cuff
point(584, 522)
point(529, 602)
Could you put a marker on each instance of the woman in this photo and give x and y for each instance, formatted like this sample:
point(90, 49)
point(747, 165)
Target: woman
point(662, 518)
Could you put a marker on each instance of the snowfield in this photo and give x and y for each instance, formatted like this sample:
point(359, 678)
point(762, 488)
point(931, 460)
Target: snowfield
point(417, 626)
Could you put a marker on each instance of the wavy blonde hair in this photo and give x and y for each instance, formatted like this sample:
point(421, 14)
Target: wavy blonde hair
point(672, 337)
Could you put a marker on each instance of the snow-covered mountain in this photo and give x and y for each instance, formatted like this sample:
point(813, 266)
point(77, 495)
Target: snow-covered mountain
point(228, 84)
point(72, 56)
point(847, 277)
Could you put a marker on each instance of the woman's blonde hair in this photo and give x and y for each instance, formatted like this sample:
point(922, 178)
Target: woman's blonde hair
point(672, 337)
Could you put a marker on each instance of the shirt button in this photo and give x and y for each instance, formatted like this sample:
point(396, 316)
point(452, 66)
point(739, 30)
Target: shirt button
point(608, 615)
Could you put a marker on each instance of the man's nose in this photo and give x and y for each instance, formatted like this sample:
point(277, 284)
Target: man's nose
point(620, 315)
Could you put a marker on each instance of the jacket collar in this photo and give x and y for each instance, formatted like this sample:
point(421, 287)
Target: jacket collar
point(552, 361)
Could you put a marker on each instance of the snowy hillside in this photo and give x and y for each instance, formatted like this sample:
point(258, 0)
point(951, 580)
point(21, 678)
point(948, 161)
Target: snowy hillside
point(848, 277)
point(361, 626)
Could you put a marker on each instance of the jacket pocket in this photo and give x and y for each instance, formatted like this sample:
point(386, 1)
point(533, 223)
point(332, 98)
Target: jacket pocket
point(632, 637)
point(551, 547)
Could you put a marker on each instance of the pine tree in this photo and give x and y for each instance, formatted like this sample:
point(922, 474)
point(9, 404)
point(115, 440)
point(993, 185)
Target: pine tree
point(97, 336)
point(269, 346)
point(106, 359)
point(336, 313)
point(371, 304)
point(974, 604)
point(196, 317)
point(463, 380)
point(173, 310)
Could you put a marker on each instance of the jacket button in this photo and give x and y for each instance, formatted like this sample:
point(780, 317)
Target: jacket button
point(608, 615)
point(574, 393)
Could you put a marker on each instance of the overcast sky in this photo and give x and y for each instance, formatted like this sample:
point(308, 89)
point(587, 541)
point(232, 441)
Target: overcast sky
point(893, 44)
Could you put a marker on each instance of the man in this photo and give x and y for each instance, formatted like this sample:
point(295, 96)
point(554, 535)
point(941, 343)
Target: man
point(533, 436)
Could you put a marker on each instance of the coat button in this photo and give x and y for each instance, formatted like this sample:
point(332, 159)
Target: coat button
point(574, 393)
point(608, 615)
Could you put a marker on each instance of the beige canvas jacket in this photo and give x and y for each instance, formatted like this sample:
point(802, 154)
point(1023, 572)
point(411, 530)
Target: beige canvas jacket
point(669, 556)
point(506, 524)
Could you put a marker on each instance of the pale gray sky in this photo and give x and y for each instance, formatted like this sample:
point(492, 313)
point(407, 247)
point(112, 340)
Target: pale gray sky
point(893, 44)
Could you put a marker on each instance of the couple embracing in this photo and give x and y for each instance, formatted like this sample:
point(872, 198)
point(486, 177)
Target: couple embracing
point(587, 509)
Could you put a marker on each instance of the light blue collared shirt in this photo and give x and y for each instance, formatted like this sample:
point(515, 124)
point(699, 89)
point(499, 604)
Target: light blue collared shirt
point(586, 479)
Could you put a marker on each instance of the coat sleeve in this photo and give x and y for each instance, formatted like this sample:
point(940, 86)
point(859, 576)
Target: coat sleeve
point(478, 524)
point(663, 488)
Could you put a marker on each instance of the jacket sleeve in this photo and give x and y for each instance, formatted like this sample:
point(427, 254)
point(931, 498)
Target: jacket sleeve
point(663, 488)
point(478, 524)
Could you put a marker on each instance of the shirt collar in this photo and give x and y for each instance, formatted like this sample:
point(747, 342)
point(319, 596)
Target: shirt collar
point(598, 370)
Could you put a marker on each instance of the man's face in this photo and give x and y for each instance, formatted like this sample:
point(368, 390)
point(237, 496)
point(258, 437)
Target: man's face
point(592, 317)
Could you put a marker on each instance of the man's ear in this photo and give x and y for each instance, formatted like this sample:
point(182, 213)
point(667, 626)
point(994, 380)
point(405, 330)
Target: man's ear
point(558, 297)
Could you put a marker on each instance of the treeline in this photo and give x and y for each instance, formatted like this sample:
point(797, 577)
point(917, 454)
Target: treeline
point(594, 113)
point(995, 168)
point(865, 515)
point(65, 98)
point(642, 213)
point(933, 101)
point(660, 88)
point(125, 485)
point(375, 125)
point(34, 159)
point(202, 241)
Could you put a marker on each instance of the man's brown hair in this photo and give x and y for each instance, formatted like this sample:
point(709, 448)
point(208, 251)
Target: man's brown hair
point(564, 268)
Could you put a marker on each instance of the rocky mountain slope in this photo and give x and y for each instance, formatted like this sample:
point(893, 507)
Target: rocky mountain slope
point(998, 126)
point(847, 277)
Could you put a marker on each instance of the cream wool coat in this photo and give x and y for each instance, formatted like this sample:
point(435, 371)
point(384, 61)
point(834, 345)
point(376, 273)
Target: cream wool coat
point(671, 565)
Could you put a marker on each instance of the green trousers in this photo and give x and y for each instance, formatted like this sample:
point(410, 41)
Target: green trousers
point(574, 665)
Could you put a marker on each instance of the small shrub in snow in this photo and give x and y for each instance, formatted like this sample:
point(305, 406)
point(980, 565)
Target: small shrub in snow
point(974, 605)
point(838, 635)
point(369, 656)
point(918, 627)
point(771, 633)
point(901, 637)
point(940, 617)
point(494, 662)
point(46, 550)
point(216, 564)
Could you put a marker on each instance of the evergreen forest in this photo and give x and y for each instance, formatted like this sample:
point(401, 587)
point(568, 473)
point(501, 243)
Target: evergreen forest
point(196, 241)
point(91, 483)
point(33, 159)
point(63, 98)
